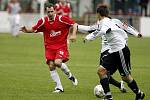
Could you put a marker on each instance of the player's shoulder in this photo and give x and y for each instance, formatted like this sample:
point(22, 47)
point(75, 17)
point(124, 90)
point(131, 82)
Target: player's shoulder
point(116, 20)
point(57, 5)
point(63, 18)
point(43, 19)
point(66, 20)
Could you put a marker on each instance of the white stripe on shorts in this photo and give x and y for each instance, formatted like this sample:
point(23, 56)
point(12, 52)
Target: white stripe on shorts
point(124, 66)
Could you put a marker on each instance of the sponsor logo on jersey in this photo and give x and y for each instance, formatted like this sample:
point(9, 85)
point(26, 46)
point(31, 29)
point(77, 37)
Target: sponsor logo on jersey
point(53, 33)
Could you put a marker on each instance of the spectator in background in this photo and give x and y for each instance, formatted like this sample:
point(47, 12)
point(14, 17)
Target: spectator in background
point(63, 8)
point(34, 6)
point(0, 4)
point(132, 7)
point(144, 5)
point(14, 9)
point(3, 5)
point(120, 7)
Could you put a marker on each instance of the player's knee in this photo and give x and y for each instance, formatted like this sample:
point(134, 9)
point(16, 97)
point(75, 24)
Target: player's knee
point(101, 71)
point(51, 66)
point(58, 63)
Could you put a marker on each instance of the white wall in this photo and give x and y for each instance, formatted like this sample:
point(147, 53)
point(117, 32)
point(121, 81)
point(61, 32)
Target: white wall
point(26, 19)
point(30, 19)
point(4, 23)
point(149, 8)
point(145, 26)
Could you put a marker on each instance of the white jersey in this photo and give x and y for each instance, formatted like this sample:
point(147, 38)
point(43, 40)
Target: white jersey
point(14, 18)
point(14, 8)
point(114, 40)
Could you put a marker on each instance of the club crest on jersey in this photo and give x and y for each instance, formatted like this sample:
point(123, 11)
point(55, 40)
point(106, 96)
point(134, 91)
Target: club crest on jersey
point(53, 33)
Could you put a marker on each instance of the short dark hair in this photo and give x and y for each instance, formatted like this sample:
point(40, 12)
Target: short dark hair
point(103, 10)
point(49, 5)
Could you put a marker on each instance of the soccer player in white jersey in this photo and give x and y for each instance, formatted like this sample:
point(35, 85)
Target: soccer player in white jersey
point(117, 57)
point(105, 46)
point(14, 18)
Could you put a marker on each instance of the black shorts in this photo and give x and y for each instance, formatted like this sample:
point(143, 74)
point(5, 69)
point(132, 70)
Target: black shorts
point(117, 60)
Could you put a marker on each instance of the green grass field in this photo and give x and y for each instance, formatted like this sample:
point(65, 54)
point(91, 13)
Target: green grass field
point(25, 76)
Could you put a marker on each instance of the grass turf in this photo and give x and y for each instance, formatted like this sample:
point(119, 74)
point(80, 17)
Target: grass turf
point(25, 76)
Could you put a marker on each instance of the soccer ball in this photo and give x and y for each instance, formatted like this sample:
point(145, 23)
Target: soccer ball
point(98, 91)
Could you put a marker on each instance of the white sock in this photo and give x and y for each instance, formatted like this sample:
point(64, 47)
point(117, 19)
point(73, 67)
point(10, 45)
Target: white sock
point(66, 70)
point(56, 79)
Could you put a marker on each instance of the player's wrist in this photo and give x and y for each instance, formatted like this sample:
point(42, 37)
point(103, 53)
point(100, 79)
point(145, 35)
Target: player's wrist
point(139, 35)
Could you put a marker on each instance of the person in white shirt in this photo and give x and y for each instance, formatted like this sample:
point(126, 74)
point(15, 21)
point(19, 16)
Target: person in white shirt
point(117, 53)
point(14, 10)
point(105, 48)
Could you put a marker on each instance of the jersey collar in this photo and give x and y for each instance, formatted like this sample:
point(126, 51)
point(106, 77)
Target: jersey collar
point(53, 19)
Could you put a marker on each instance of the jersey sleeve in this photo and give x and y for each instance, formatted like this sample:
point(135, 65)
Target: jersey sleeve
point(128, 28)
point(132, 30)
point(98, 30)
point(87, 29)
point(83, 28)
point(66, 20)
point(94, 34)
point(38, 27)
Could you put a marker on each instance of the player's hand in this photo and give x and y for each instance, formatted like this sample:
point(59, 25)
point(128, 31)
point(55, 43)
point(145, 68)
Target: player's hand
point(84, 40)
point(23, 29)
point(72, 38)
point(139, 35)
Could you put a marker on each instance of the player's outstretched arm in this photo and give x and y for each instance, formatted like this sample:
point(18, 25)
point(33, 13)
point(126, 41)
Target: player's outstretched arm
point(131, 30)
point(25, 30)
point(128, 28)
point(84, 28)
point(74, 33)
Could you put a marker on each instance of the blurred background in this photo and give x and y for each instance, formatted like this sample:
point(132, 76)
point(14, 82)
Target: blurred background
point(23, 72)
point(134, 12)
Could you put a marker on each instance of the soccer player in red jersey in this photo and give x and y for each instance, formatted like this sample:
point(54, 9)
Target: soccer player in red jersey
point(63, 8)
point(55, 29)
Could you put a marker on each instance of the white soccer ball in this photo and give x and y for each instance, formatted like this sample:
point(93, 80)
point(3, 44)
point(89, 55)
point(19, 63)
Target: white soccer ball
point(98, 91)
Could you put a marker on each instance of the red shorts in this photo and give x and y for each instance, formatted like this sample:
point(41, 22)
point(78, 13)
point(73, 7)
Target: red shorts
point(61, 53)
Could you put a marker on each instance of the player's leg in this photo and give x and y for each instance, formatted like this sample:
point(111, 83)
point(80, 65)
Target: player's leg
point(13, 25)
point(134, 87)
point(50, 56)
point(116, 83)
point(55, 77)
point(124, 70)
point(17, 23)
point(15, 30)
point(104, 80)
point(62, 56)
point(112, 81)
point(65, 69)
point(104, 75)
point(120, 84)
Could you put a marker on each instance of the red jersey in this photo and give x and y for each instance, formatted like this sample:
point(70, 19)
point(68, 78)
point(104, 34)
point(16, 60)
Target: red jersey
point(63, 9)
point(55, 32)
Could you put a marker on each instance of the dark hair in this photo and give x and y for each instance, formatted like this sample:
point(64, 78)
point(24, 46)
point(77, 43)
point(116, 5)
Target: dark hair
point(49, 5)
point(103, 10)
